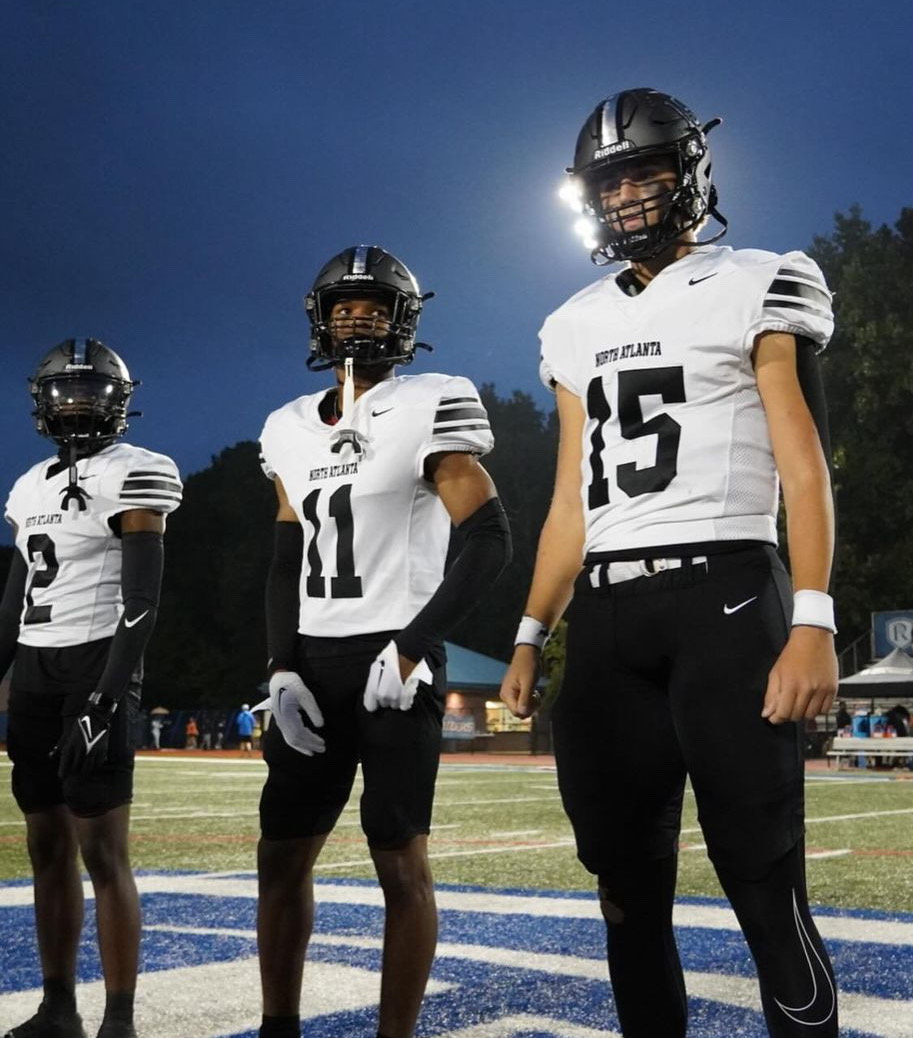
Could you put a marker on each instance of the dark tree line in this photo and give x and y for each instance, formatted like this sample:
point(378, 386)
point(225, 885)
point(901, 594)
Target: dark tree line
point(209, 646)
point(868, 370)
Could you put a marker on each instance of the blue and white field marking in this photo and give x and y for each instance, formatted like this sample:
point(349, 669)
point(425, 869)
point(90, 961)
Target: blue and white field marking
point(510, 964)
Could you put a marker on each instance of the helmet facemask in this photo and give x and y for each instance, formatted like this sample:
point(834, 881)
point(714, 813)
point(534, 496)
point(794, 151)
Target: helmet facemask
point(638, 125)
point(683, 207)
point(364, 272)
point(81, 392)
point(370, 341)
point(87, 409)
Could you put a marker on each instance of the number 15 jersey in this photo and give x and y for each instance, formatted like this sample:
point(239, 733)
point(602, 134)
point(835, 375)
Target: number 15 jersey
point(676, 448)
point(375, 530)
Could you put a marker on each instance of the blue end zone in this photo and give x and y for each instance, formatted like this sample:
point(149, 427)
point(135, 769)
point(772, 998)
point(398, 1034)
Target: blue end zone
point(525, 963)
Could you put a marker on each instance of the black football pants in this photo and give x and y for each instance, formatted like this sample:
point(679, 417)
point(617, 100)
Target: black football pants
point(665, 678)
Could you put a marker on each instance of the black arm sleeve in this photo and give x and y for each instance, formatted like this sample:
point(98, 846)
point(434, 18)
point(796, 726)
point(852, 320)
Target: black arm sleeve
point(808, 371)
point(282, 596)
point(141, 584)
point(486, 551)
point(11, 610)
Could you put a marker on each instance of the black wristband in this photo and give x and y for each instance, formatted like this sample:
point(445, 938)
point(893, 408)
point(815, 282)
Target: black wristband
point(485, 553)
point(282, 602)
point(102, 704)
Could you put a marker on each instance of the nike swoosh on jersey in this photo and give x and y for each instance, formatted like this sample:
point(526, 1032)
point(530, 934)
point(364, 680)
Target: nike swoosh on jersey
point(374, 414)
point(828, 996)
point(729, 610)
point(706, 277)
point(135, 620)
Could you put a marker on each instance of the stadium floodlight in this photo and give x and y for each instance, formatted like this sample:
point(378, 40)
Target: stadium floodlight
point(571, 193)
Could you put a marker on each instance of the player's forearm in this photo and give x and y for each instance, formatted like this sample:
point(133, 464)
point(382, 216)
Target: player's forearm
point(558, 561)
point(486, 551)
point(141, 585)
point(282, 602)
point(11, 610)
point(810, 529)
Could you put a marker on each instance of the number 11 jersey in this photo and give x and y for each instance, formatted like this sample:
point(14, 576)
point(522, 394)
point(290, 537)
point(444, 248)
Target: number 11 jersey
point(375, 530)
point(676, 448)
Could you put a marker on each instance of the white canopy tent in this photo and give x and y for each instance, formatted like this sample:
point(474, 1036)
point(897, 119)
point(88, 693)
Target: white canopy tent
point(891, 676)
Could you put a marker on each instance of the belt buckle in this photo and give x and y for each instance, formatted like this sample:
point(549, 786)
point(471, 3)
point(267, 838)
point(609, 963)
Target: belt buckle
point(658, 565)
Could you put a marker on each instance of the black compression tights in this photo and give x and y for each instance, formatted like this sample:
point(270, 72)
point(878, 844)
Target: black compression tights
point(798, 993)
point(644, 966)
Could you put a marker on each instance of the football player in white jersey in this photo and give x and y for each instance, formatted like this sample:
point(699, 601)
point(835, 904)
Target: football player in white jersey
point(78, 608)
point(370, 475)
point(688, 393)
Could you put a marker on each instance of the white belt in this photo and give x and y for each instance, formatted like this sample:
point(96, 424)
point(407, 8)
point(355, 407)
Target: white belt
point(602, 573)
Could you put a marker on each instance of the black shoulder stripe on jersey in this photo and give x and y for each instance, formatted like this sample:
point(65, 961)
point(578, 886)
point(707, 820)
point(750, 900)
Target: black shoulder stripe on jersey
point(458, 400)
point(805, 275)
point(151, 472)
point(151, 484)
point(443, 430)
point(148, 495)
point(453, 413)
point(790, 304)
point(782, 287)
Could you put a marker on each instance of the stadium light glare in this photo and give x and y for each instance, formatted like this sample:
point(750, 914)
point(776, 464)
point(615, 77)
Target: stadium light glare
point(570, 193)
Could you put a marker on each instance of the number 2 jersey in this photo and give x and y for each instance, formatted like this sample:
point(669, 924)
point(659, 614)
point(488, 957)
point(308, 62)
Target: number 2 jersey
point(676, 448)
point(375, 530)
point(73, 589)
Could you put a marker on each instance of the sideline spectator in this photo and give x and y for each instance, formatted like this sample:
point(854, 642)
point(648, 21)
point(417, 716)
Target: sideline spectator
point(246, 722)
point(191, 731)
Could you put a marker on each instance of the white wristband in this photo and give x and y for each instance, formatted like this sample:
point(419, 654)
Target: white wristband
point(531, 632)
point(814, 609)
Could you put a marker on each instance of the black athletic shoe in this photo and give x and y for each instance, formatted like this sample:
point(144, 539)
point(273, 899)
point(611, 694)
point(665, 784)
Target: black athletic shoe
point(48, 1025)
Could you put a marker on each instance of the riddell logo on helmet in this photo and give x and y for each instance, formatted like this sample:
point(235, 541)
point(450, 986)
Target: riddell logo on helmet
point(612, 149)
point(78, 367)
point(357, 277)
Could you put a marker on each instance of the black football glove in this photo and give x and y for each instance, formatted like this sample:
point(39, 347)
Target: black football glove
point(85, 746)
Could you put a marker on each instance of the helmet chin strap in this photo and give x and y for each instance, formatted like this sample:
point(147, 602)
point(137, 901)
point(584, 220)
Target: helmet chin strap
point(345, 434)
point(73, 492)
point(348, 389)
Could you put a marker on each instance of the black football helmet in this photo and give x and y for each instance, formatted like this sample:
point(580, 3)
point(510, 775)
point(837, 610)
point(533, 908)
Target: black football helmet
point(81, 391)
point(364, 272)
point(636, 124)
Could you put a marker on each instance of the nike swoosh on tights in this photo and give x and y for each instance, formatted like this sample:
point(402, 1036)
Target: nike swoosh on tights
point(799, 1014)
point(135, 620)
point(729, 610)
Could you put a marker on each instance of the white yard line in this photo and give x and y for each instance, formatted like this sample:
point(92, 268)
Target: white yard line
point(886, 1018)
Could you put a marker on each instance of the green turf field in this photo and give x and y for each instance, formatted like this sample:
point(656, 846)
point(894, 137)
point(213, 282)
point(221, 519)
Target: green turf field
point(496, 826)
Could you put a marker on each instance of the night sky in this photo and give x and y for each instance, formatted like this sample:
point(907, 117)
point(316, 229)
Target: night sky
point(173, 174)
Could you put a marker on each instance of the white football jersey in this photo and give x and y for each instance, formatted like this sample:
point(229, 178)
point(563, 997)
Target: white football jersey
point(676, 448)
point(73, 592)
point(375, 530)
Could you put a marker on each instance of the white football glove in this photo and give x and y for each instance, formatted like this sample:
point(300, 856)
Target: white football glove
point(385, 687)
point(288, 696)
